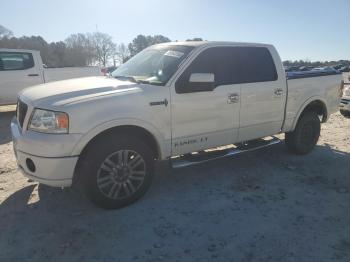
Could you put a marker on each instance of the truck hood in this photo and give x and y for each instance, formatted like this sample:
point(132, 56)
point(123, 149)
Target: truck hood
point(70, 91)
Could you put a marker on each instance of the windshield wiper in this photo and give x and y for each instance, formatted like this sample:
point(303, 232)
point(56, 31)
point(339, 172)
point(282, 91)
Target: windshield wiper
point(150, 82)
point(143, 81)
point(139, 81)
point(129, 78)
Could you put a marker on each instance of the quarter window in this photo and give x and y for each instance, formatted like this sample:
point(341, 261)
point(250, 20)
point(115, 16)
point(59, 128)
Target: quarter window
point(15, 61)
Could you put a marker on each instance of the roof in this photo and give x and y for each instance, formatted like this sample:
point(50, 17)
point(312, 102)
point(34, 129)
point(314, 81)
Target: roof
point(17, 50)
point(213, 43)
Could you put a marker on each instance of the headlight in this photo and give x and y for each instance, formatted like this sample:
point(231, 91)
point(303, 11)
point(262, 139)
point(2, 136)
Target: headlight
point(46, 121)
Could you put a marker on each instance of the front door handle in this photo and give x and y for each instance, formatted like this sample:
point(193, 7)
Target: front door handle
point(278, 91)
point(233, 98)
point(33, 74)
point(158, 103)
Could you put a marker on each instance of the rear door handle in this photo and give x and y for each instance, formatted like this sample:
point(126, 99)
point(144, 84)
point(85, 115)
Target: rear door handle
point(233, 98)
point(33, 74)
point(278, 91)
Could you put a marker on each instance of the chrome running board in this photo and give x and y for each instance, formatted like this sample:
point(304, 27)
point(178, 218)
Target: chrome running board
point(217, 153)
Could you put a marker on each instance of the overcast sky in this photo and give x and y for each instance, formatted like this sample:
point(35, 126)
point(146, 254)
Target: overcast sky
point(314, 30)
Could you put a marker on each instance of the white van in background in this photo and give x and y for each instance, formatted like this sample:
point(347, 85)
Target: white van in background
point(23, 68)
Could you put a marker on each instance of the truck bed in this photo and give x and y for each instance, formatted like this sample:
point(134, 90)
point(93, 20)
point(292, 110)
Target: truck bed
point(320, 85)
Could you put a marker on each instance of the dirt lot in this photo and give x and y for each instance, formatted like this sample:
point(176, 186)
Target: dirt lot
point(266, 205)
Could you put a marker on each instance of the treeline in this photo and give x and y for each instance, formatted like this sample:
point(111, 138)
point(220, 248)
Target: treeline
point(299, 63)
point(81, 49)
point(99, 49)
point(76, 50)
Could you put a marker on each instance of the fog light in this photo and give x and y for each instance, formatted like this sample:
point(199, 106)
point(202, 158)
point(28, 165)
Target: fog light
point(30, 165)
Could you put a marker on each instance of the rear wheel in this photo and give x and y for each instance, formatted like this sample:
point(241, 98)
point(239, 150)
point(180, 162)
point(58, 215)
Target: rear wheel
point(116, 171)
point(305, 136)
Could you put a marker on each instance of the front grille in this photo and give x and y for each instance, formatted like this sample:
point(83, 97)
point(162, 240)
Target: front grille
point(21, 112)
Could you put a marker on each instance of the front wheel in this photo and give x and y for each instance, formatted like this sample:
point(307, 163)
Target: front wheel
point(305, 136)
point(116, 171)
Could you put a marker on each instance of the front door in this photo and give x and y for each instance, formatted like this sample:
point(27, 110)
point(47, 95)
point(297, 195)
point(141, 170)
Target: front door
point(205, 119)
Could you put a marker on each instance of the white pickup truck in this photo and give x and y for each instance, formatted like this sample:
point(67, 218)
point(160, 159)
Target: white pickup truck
point(184, 102)
point(22, 68)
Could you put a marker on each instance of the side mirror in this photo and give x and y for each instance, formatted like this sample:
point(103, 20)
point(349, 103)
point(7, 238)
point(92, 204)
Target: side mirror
point(202, 78)
point(195, 82)
point(201, 82)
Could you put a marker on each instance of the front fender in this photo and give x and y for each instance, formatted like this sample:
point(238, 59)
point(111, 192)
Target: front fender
point(163, 145)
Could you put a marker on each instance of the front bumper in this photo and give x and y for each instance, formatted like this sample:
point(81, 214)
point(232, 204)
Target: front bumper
point(56, 170)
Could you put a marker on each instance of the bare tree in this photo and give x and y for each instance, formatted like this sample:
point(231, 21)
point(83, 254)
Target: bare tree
point(80, 49)
point(122, 54)
point(4, 32)
point(103, 46)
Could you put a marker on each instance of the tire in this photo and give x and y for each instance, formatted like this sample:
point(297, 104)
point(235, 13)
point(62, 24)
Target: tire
point(305, 135)
point(345, 113)
point(116, 171)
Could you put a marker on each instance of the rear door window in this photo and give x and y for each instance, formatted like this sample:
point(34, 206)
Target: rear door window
point(255, 65)
point(15, 61)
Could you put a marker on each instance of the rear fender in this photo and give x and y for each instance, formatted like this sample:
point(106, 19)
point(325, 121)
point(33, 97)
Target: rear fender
point(308, 102)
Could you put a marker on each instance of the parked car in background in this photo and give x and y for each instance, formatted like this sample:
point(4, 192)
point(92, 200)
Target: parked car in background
point(23, 68)
point(298, 68)
point(108, 70)
point(344, 69)
point(291, 68)
point(174, 101)
point(305, 68)
point(337, 67)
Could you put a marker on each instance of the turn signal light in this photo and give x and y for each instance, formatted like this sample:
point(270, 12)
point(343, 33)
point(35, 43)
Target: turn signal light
point(62, 121)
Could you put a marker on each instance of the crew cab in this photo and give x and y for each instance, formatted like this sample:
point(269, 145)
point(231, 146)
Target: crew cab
point(22, 68)
point(186, 102)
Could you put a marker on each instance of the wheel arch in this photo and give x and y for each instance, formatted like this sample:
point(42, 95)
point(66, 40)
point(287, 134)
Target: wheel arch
point(132, 127)
point(316, 104)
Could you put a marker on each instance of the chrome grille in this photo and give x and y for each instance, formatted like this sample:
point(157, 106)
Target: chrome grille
point(21, 112)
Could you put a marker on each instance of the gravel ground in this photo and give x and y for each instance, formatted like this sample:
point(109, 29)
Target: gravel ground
point(267, 205)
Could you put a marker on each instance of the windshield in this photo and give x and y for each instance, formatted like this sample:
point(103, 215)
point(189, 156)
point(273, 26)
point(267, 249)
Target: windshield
point(154, 65)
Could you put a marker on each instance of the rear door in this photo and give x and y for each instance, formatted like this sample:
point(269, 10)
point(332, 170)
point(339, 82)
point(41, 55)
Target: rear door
point(263, 92)
point(17, 71)
point(206, 119)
